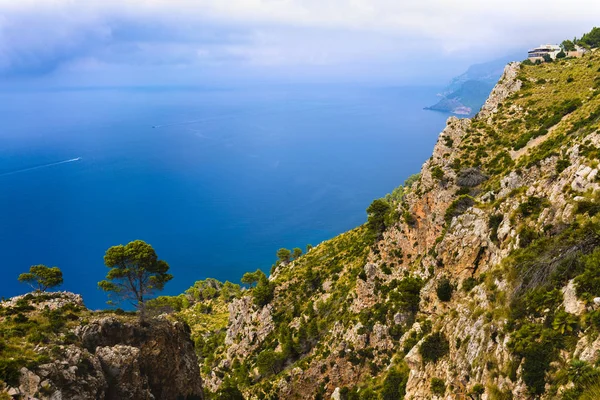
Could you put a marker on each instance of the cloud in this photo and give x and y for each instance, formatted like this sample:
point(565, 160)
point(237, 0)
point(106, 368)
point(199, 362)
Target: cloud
point(284, 37)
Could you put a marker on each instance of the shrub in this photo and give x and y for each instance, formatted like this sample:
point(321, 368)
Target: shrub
point(377, 213)
point(394, 385)
point(538, 346)
point(532, 206)
point(458, 207)
point(477, 390)
point(562, 164)
point(434, 347)
point(468, 284)
point(437, 173)
point(269, 363)
point(588, 283)
point(444, 289)
point(527, 236)
point(438, 386)
point(10, 371)
point(588, 207)
point(409, 218)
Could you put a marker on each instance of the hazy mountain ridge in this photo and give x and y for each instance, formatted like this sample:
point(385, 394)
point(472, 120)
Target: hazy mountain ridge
point(466, 93)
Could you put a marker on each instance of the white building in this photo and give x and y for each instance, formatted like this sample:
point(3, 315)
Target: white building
point(538, 53)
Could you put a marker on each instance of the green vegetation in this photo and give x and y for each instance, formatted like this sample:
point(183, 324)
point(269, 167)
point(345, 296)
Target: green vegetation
point(438, 386)
point(263, 291)
point(377, 214)
point(42, 278)
point(444, 289)
point(135, 273)
point(394, 384)
point(31, 335)
point(590, 39)
point(434, 347)
point(437, 173)
point(284, 255)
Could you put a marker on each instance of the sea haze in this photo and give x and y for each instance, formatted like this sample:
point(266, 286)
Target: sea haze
point(215, 180)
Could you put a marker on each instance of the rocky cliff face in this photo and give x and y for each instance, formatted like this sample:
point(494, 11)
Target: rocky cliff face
point(106, 357)
point(476, 287)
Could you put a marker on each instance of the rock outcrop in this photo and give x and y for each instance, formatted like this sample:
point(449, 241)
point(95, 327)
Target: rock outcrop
point(113, 358)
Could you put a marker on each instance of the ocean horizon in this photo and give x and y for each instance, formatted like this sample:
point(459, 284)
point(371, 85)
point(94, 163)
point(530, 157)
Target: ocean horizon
point(216, 180)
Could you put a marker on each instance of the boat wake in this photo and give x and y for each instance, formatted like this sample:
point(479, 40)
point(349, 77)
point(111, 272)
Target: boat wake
point(18, 171)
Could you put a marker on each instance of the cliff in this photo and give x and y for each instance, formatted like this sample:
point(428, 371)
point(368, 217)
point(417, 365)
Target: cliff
point(54, 348)
point(481, 283)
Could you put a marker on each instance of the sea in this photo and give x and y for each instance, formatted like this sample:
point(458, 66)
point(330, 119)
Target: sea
point(215, 179)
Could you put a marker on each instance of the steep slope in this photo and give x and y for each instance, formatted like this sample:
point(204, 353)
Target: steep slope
point(483, 282)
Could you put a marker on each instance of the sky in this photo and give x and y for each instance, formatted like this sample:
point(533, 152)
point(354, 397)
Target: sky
point(207, 42)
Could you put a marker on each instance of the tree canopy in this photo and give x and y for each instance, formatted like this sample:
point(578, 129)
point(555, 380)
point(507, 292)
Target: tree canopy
point(42, 278)
point(377, 212)
point(591, 39)
point(263, 291)
point(135, 272)
point(568, 45)
point(284, 255)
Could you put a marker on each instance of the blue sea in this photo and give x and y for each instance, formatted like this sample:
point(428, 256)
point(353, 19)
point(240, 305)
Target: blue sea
point(216, 180)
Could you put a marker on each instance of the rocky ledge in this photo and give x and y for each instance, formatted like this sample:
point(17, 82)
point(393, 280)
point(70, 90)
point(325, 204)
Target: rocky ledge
point(112, 357)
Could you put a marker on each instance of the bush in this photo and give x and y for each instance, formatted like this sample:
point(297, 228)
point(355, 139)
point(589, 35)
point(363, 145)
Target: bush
point(438, 386)
point(588, 283)
point(269, 363)
point(532, 206)
point(394, 385)
point(444, 289)
point(409, 218)
point(10, 371)
point(588, 207)
point(527, 236)
point(434, 347)
point(562, 164)
point(377, 213)
point(458, 207)
point(468, 284)
point(539, 347)
point(437, 173)
point(477, 390)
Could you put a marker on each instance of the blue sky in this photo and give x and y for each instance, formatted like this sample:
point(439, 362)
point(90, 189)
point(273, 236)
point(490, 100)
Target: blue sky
point(141, 42)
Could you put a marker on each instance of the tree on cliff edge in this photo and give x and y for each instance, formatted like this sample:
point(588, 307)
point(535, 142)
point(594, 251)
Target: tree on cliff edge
point(42, 278)
point(135, 273)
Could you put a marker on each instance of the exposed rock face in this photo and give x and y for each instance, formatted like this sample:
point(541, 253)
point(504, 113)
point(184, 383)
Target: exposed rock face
point(507, 85)
point(158, 356)
point(52, 301)
point(116, 359)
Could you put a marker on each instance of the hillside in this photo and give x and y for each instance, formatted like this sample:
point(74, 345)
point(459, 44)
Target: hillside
point(481, 278)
